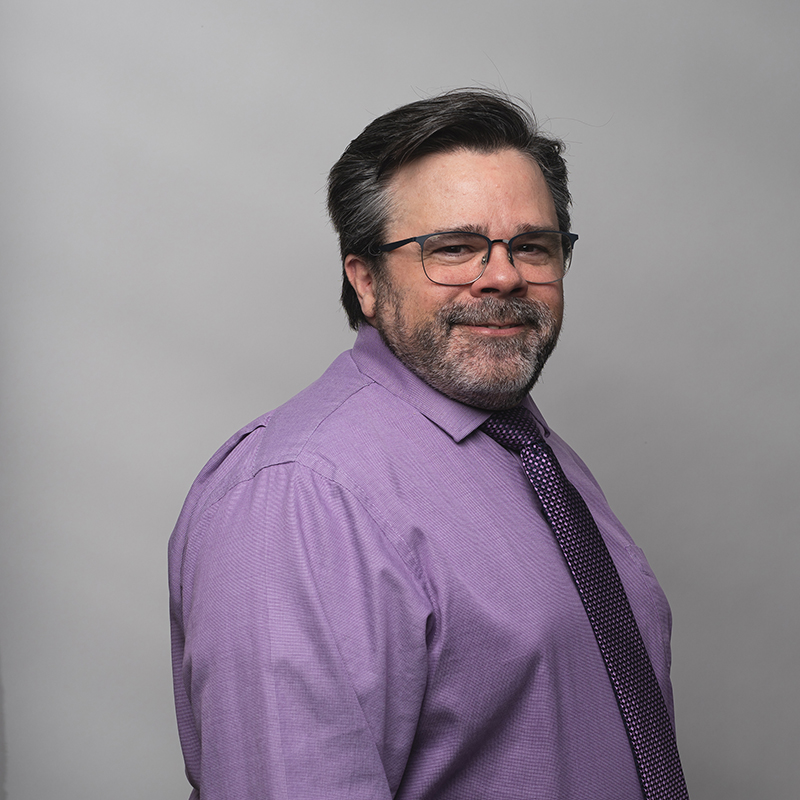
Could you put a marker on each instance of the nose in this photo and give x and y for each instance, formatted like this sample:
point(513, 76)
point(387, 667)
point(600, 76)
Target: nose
point(500, 277)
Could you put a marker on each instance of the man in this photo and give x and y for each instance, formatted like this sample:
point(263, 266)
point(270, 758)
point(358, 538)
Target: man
point(369, 598)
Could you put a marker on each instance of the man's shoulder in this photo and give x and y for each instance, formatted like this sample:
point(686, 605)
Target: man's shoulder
point(280, 436)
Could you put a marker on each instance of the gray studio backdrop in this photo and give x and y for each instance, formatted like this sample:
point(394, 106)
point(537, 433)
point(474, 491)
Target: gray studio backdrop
point(168, 274)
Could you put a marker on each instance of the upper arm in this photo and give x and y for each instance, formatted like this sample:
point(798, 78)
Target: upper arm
point(303, 661)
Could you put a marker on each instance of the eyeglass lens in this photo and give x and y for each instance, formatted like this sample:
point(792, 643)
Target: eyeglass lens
point(459, 258)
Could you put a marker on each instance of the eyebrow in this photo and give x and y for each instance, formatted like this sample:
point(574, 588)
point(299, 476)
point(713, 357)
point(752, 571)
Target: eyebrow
point(470, 228)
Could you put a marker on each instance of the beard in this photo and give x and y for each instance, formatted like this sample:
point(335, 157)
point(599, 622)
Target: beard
point(483, 371)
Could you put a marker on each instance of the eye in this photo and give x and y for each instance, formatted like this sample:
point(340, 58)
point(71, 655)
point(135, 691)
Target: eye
point(539, 247)
point(453, 247)
point(527, 247)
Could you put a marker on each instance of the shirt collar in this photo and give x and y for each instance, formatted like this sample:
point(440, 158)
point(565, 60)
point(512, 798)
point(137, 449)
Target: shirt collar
point(374, 359)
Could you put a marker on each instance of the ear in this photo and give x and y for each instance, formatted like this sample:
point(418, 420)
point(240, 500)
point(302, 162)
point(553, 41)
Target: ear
point(361, 279)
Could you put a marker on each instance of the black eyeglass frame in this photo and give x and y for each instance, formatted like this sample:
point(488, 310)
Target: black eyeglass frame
point(420, 240)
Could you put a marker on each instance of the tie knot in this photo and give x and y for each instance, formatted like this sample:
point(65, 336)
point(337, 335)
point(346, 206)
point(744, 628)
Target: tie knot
point(514, 428)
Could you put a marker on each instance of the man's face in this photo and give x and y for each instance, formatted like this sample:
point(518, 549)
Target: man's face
point(483, 344)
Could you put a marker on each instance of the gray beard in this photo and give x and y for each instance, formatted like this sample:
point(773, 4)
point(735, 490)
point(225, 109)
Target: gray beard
point(494, 374)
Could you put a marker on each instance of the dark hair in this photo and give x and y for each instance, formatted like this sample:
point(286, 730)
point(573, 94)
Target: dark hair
point(473, 119)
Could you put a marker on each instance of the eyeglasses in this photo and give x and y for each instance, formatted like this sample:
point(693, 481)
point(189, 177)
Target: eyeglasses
point(457, 258)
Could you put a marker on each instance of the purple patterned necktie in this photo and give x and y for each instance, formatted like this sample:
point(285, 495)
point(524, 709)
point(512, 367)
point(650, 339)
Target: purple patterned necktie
point(635, 685)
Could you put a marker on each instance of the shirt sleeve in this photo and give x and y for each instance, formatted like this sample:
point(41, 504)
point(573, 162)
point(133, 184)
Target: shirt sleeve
point(299, 644)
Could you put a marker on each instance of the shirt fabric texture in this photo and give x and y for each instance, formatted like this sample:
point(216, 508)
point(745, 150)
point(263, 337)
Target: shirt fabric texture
point(367, 603)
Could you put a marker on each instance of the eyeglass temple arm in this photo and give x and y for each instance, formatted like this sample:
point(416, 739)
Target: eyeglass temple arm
point(386, 248)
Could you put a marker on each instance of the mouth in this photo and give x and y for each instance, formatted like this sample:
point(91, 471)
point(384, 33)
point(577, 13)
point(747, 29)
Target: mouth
point(493, 329)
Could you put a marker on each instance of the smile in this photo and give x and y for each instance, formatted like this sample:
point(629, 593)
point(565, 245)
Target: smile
point(493, 326)
point(491, 329)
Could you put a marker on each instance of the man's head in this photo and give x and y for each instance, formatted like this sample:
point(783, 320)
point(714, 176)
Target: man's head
point(466, 161)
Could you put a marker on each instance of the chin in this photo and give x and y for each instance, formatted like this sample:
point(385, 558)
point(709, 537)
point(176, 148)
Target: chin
point(494, 377)
point(490, 393)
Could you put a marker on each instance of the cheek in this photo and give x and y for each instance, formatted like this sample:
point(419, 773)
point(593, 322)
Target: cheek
point(405, 291)
point(421, 303)
point(552, 296)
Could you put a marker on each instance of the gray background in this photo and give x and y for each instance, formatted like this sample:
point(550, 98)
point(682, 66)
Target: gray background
point(168, 274)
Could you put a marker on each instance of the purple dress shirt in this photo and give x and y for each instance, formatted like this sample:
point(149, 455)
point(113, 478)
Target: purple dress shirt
point(366, 603)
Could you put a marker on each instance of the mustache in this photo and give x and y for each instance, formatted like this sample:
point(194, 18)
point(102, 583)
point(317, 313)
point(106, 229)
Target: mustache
point(492, 311)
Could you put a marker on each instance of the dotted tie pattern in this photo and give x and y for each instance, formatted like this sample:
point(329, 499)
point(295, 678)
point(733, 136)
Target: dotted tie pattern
point(635, 685)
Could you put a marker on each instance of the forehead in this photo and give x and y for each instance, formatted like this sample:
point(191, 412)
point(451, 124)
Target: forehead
point(501, 192)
